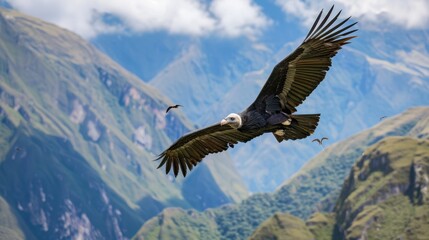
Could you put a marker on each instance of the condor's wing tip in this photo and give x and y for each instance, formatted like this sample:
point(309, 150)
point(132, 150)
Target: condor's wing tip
point(169, 167)
point(163, 161)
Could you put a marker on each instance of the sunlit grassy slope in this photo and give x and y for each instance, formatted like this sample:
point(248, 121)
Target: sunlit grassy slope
point(317, 186)
point(384, 197)
point(78, 135)
point(282, 226)
point(9, 224)
point(175, 223)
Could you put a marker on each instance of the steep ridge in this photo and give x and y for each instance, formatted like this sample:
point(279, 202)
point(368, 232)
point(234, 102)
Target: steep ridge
point(78, 136)
point(386, 193)
point(282, 226)
point(384, 197)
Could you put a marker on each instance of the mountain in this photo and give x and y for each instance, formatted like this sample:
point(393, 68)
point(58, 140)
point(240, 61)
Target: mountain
point(316, 187)
point(176, 223)
point(282, 226)
point(144, 60)
point(206, 76)
point(78, 137)
point(381, 73)
point(384, 197)
point(9, 224)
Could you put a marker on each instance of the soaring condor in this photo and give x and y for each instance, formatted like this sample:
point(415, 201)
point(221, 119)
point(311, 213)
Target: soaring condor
point(273, 110)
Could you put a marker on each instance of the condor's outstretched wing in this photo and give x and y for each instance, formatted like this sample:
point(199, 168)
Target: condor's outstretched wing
point(296, 76)
point(191, 148)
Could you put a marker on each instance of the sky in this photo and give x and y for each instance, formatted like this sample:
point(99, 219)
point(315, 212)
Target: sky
point(199, 18)
point(232, 19)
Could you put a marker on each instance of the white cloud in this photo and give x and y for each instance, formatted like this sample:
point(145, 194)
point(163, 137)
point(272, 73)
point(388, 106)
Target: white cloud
point(191, 17)
point(393, 67)
point(300, 9)
point(185, 16)
point(417, 59)
point(414, 62)
point(238, 17)
point(407, 14)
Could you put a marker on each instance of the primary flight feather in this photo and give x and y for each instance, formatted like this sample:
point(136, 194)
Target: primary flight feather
point(290, 83)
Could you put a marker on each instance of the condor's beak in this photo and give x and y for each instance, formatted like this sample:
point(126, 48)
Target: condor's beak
point(223, 122)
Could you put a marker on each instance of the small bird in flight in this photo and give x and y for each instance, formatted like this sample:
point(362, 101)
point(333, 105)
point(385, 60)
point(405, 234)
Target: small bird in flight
point(172, 106)
point(320, 141)
point(381, 118)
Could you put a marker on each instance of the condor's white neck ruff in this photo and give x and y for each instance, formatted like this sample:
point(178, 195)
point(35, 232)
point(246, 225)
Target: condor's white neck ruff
point(233, 120)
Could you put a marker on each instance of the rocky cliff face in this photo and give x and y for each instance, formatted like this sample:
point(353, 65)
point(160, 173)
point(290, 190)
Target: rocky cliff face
point(78, 136)
point(385, 195)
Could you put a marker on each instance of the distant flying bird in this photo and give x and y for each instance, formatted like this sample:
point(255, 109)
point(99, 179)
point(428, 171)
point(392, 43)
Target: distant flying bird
point(320, 141)
point(273, 111)
point(18, 149)
point(173, 106)
point(381, 118)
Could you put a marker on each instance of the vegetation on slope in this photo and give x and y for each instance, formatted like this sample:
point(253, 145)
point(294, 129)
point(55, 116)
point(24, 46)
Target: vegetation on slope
point(321, 225)
point(385, 195)
point(282, 226)
point(9, 224)
point(176, 223)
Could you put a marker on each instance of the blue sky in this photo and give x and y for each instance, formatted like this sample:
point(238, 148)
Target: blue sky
point(226, 18)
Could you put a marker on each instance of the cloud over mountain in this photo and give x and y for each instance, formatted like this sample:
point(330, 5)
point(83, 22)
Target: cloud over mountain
point(190, 17)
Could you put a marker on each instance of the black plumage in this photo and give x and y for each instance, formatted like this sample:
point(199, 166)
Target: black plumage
point(273, 111)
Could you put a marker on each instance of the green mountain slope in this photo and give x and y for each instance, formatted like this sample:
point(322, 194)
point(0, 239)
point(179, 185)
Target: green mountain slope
point(317, 186)
point(282, 226)
point(176, 223)
point(78, 135)
point(384, 197)
point(9, 224)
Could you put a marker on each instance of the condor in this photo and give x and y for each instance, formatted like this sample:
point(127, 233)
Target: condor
point(273, 111)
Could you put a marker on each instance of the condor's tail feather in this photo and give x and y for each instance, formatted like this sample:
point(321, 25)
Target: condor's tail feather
point(302, 126)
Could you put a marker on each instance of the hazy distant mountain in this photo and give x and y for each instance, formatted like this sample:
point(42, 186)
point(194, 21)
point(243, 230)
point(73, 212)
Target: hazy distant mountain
point(78, 138)
point(316, 187)
point(381, 73)
point(144, 55)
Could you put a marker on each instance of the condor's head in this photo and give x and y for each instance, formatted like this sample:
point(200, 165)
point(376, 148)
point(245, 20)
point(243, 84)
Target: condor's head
point(233, 120)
